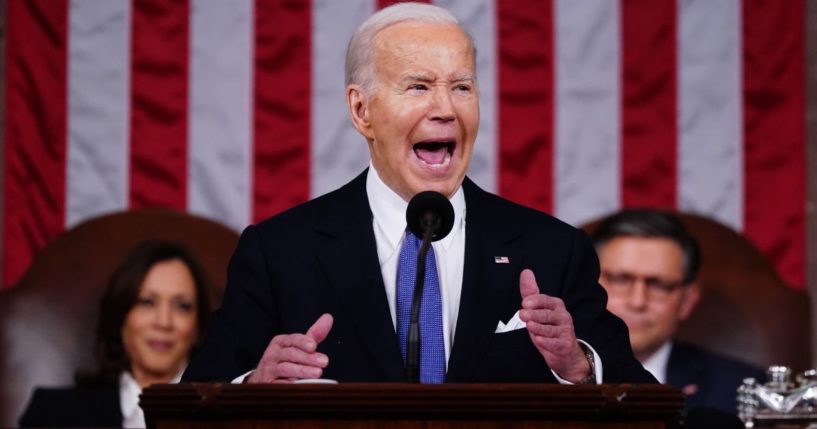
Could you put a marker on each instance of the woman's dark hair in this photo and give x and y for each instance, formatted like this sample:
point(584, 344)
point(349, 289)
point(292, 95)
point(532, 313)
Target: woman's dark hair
point(121, 295)
point(650, 223)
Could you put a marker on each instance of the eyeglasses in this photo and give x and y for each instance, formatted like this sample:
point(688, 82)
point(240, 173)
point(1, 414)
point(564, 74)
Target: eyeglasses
point(655, 288)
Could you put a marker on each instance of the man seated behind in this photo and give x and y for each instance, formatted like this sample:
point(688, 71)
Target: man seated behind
point(649, 264)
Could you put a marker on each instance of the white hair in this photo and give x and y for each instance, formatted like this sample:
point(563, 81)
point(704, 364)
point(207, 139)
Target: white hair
point(359, 52)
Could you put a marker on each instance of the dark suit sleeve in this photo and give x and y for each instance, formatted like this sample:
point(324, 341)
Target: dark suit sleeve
point(73, 407)
point(586, 301)
point(242, 328)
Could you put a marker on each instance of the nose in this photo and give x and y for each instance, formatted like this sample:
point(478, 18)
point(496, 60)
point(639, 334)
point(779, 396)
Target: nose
point(443, 105)
point(164, 317)
point(637, 298)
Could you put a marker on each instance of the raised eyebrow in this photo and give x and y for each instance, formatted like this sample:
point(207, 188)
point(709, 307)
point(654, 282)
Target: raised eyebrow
point(418, 78)
point(463, 78)
point(184, 296)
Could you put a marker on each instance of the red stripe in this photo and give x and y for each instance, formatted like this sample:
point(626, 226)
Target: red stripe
point(36, 98)
point(283, 52)
point(158, 163)
point(774, 132)
point(649, 86)
point(526, 51)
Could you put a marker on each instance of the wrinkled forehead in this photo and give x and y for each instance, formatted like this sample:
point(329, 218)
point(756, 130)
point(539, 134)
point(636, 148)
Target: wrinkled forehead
point(410, 37)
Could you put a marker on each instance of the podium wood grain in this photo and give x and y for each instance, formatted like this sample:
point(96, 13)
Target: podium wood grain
point(409, 406)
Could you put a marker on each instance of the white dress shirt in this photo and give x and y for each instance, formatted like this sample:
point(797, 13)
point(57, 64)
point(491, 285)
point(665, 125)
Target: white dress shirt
point(129, 391)
point(657, 363)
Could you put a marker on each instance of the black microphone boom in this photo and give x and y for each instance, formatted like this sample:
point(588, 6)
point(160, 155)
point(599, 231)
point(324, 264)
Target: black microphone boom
point(431, 216)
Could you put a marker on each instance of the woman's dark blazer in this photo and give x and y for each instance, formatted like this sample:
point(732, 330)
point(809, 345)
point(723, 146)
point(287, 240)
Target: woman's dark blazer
point(74, 407)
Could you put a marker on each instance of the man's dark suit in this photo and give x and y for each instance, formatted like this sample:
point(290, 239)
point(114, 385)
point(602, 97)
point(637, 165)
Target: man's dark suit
point(321, 257)
point(74, 407)
point(708, 379)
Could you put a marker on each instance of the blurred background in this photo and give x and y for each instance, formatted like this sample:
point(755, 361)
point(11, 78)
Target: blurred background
point(233, 110)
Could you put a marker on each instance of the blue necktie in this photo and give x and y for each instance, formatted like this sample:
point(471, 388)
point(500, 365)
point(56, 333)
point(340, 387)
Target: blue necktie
point(432, 349)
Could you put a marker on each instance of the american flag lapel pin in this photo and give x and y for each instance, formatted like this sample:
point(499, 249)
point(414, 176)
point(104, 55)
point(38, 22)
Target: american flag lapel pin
point(501, 260)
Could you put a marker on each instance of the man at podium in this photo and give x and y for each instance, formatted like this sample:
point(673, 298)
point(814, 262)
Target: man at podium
point(326, 289)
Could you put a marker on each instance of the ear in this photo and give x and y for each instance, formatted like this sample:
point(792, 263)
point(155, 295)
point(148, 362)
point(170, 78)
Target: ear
point(358, 103)
point(692, 294)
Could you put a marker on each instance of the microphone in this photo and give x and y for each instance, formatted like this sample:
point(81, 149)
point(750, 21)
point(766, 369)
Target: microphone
point(431, 216)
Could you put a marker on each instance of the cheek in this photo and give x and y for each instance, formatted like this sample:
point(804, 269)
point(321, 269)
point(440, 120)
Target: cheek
point(407, 116)
point(468, 112)
point(615, 304)
point(187, 328)
point(667, 317)
point(132, 330)
point(395, 117)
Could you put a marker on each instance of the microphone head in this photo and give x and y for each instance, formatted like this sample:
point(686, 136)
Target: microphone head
point(430, 209)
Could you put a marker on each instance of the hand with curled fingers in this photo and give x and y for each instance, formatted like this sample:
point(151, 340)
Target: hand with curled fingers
point(550, 327)
point(290, 357)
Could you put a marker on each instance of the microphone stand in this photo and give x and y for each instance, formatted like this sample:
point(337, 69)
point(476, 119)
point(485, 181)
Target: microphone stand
point(431, 215)
point(413, 341)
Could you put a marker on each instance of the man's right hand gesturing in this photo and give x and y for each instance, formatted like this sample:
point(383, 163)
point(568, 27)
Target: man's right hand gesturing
point(290, 357)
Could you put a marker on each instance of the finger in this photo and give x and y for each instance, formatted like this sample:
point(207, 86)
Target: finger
point(295, 355)
point(542, 301)
point(527, 283)
point(549, 331)
point(293, 370)
point(320, 329)
point(299, 341)
point(546, 317)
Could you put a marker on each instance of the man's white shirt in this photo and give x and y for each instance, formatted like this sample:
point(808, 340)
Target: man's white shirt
point(657, 363)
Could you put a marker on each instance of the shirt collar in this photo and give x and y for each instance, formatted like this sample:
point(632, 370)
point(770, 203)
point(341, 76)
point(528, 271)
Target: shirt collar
point(389, 210)
point(657, 363)
point(129, 391)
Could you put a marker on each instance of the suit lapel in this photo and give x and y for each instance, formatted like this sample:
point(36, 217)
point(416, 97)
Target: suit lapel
point(356, 276)
point(685, 370)
point(486, 294)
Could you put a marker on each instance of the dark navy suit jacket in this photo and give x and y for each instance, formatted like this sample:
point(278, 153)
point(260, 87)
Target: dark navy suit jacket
point(708, 379)
point(74, 407)
point(321, 257)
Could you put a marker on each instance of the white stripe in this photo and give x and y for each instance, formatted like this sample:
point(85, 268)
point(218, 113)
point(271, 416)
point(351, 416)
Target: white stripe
point(98, 108)
point(220, 118)
point(709, 89)
point(479, 19)
point(339, 152)
point(587, 109)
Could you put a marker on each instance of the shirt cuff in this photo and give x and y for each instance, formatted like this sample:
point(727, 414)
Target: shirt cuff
point(596, 362)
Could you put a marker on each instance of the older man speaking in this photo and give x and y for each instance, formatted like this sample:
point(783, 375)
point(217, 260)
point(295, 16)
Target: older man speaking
point(321, 290)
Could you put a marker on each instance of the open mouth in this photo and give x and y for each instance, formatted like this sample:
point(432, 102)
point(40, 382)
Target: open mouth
point(435, 153)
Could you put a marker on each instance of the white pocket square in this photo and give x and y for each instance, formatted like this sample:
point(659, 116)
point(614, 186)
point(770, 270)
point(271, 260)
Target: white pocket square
point(512, 325)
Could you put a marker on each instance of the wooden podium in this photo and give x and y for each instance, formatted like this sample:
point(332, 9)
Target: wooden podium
point(407, 406)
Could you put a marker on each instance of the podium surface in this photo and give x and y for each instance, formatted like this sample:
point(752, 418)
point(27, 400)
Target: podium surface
point(407, 406)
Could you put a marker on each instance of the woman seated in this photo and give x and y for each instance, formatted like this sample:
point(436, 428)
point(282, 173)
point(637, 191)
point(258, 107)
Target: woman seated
point(152, 313)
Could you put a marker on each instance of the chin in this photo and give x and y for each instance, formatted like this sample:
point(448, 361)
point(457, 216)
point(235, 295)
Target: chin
point(168, 369)
point(446, 186)
point(444, 190)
